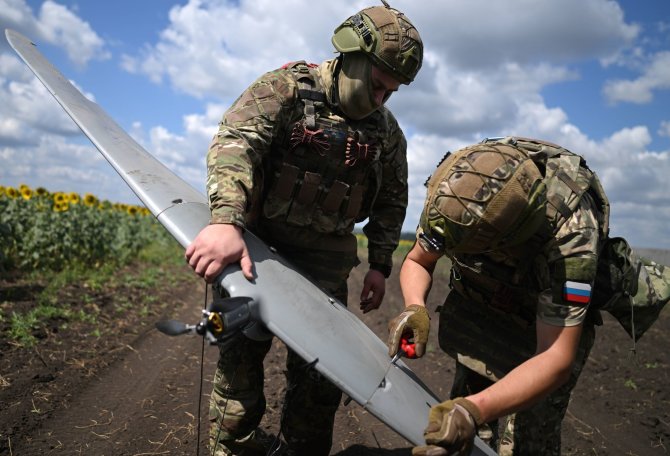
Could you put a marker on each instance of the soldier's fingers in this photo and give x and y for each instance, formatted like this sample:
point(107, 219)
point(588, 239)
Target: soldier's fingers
point(247, 266)
point(199, 265)
point(189, 251)
point(372, 304)
point(214, 268)
point(193, 260)
point(437, 451)
point(430, 450)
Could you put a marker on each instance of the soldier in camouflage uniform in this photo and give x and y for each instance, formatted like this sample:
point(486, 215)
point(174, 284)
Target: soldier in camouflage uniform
point(301, 156)
point(522, 222)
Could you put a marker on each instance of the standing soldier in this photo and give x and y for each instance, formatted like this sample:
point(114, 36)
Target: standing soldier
point(303, 154)
point(522, 222)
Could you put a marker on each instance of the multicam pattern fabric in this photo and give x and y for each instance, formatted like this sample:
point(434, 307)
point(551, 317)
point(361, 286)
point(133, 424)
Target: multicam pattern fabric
point(308, 413)
point(488, 321)
point(258, 178)
point(237, 403)
point(464, 209)
point(527, 280)
point(499, 294)
point(300, 180)
point(524, 284)
point(386, 36)
point(572, 256)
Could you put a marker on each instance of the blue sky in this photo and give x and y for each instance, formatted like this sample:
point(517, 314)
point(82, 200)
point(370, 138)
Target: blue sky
point(591, 75)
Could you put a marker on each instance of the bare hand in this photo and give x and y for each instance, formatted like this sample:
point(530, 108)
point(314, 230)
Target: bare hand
point(217, 246)
point(374, 288)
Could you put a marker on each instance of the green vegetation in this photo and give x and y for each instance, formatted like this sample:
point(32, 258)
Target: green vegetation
point(42, 230)
point(404, 246)
point(79, 249)
point(629, 383)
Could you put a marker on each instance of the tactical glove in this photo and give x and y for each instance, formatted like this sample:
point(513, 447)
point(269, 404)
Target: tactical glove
point(452, 426)
point(412, 322)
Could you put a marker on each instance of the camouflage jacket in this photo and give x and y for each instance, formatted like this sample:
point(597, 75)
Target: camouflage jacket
point(306, 184)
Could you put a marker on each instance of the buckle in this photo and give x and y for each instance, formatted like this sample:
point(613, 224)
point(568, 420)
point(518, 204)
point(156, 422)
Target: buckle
point(362, 28)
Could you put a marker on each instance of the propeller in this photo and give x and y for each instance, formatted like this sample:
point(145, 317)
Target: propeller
point(174, 327)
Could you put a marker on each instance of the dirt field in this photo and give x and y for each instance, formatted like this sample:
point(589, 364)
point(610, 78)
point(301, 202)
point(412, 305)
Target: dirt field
point(134, 391)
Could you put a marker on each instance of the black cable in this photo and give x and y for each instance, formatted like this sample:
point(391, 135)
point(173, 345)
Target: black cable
point(202, 370)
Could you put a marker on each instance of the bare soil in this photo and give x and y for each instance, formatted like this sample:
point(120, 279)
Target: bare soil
point(134, 391)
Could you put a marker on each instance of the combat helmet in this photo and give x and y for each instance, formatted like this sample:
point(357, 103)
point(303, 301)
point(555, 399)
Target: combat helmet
point(482, 198)
point(386, 36)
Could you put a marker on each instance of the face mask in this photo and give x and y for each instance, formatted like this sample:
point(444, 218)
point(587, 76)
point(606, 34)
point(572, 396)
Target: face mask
point(355, 86)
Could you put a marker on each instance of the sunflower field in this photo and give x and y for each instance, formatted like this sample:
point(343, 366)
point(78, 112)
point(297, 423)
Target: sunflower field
point(41, 230)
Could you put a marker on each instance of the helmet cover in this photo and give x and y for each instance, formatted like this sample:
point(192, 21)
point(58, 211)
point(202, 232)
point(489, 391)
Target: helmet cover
point(484, 197)
point(386, 36)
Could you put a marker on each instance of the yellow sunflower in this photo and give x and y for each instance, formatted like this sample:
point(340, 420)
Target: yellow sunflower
point(61, 206)
point(90, 200)
point(60, 198)
point(73, 198)
point(26, 192)
point(11, 192)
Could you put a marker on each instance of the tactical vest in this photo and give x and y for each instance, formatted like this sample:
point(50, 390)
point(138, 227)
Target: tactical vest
point(324, 171)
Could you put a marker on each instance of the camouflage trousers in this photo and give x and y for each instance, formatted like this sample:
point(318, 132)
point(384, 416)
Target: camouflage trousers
point(536, 431)
point(237, 402)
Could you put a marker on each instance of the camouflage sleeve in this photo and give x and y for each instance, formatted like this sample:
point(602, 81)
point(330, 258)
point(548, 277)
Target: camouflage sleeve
point(234, 159)
point(573, 259)
point(388, 212)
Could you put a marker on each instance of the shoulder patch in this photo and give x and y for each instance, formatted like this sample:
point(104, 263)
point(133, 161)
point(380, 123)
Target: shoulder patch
point(577, 292)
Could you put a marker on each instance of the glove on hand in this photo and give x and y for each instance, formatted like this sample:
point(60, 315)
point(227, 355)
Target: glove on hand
point(452, 426)
point(415, 320)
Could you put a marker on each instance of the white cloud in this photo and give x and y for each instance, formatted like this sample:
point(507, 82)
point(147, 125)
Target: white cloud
point(217, 48)
point(183, 153)
point(485, 34)
point(50, 163)
point(27, 109)
point(54, 24)
point(60, 25)
point(15, 15)
point(655, 76)
point(457, 102)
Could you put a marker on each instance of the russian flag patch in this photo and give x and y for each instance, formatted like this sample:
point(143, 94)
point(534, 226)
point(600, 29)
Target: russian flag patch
point(577, 292)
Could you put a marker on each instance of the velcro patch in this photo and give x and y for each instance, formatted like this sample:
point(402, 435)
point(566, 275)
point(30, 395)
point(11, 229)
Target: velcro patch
point(577, 292)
